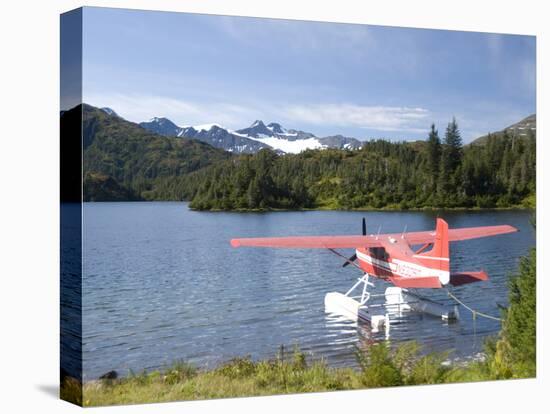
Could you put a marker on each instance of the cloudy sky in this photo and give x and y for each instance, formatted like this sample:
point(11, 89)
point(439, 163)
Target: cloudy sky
point(326, 78)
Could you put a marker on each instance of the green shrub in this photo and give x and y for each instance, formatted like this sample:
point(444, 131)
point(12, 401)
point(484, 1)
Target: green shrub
point(428, 369)
point(515, 352)
point(238, 368)
point(378, 367)
point(178, 372)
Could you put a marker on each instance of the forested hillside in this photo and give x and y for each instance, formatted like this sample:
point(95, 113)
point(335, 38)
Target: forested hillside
point(122, 160)
point(432, 173)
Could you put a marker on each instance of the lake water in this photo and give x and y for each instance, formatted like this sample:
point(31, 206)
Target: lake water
point(161, 283)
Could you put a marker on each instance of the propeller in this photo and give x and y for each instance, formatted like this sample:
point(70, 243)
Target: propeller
point(353, 257)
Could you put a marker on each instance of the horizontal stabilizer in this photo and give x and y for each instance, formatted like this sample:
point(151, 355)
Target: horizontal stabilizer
point(462, 278)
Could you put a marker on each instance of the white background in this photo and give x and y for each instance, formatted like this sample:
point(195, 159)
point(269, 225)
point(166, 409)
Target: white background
point(29, 215)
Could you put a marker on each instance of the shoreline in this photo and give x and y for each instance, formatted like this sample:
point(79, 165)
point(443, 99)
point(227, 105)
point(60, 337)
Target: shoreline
point(287, 372)
point(358, 209)
point(368, 209)
point(463, 361)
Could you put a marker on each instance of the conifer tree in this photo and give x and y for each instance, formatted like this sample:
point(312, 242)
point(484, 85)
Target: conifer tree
point(451, 160)
point(452, 150)
point(434, 154)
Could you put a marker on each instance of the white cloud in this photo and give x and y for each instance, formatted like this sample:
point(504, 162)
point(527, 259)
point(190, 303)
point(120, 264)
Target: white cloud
point(138, 108)
point(382, 118)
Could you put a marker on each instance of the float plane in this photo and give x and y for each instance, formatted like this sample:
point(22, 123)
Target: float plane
point(394, 259)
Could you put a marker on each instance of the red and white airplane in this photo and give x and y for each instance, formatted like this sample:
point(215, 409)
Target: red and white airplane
point(391, 257)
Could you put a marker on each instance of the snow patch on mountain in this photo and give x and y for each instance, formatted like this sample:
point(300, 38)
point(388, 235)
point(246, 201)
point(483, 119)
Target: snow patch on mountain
point(292, 147)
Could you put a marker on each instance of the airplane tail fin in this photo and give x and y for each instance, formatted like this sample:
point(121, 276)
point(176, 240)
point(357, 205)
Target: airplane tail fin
point(441, 244)
point(439, 256)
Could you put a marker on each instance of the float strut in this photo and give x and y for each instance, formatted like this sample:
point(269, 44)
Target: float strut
point(365, 295)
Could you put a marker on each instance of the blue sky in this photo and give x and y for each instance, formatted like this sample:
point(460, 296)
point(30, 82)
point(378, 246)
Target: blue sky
point(327, 78)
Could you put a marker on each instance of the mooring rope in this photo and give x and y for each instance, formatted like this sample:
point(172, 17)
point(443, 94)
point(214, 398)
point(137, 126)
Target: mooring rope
point(474, 312)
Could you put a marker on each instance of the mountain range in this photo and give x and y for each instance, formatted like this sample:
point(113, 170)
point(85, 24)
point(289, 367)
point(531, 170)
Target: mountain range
point(253, 138)
point(274, 136)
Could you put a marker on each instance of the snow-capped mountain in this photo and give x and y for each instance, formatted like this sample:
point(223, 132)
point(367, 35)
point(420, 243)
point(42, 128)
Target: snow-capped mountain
point(341, 142)
point(259, 130)
point(292, 140)
point(252, 139)
point(220, 137)
point(161, 126)
point(256, 130)
point(279, 138)
point(276, 128)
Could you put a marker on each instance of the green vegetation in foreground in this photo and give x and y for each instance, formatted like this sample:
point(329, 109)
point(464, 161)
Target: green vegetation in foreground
point(382, 175)
point(242, 377)
point(511, 355)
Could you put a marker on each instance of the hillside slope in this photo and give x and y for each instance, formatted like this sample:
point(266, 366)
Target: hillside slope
point(128, 159)
point(520, 129)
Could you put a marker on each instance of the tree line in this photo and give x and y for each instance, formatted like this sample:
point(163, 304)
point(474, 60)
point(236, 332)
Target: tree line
point(435, 173)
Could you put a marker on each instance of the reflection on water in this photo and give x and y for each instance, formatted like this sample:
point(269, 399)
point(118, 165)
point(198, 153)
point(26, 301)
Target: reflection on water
point(161, 282)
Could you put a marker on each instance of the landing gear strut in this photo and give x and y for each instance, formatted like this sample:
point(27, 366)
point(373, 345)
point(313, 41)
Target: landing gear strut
point(365, 295)
point(355, 307)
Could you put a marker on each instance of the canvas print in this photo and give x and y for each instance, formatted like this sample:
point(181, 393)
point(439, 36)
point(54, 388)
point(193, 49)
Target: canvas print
point(256, 206)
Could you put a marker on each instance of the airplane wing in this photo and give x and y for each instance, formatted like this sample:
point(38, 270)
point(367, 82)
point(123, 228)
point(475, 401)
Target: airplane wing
point(343, 242)
point(466, 233)
point(310, 242)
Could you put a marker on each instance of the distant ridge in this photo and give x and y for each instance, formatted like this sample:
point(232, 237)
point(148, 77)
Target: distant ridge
point(520, 129)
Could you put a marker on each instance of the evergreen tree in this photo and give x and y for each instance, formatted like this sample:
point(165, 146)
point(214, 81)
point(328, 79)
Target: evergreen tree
point(254, 194)
point(452, 150)
point(434, 154)
point(451, 160)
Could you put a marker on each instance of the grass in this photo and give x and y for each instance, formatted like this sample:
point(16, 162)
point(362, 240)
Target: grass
point(239, 377)
point(242, 377)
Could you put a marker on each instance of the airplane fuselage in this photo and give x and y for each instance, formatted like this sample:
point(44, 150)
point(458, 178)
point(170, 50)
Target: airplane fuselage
point(398, 263)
